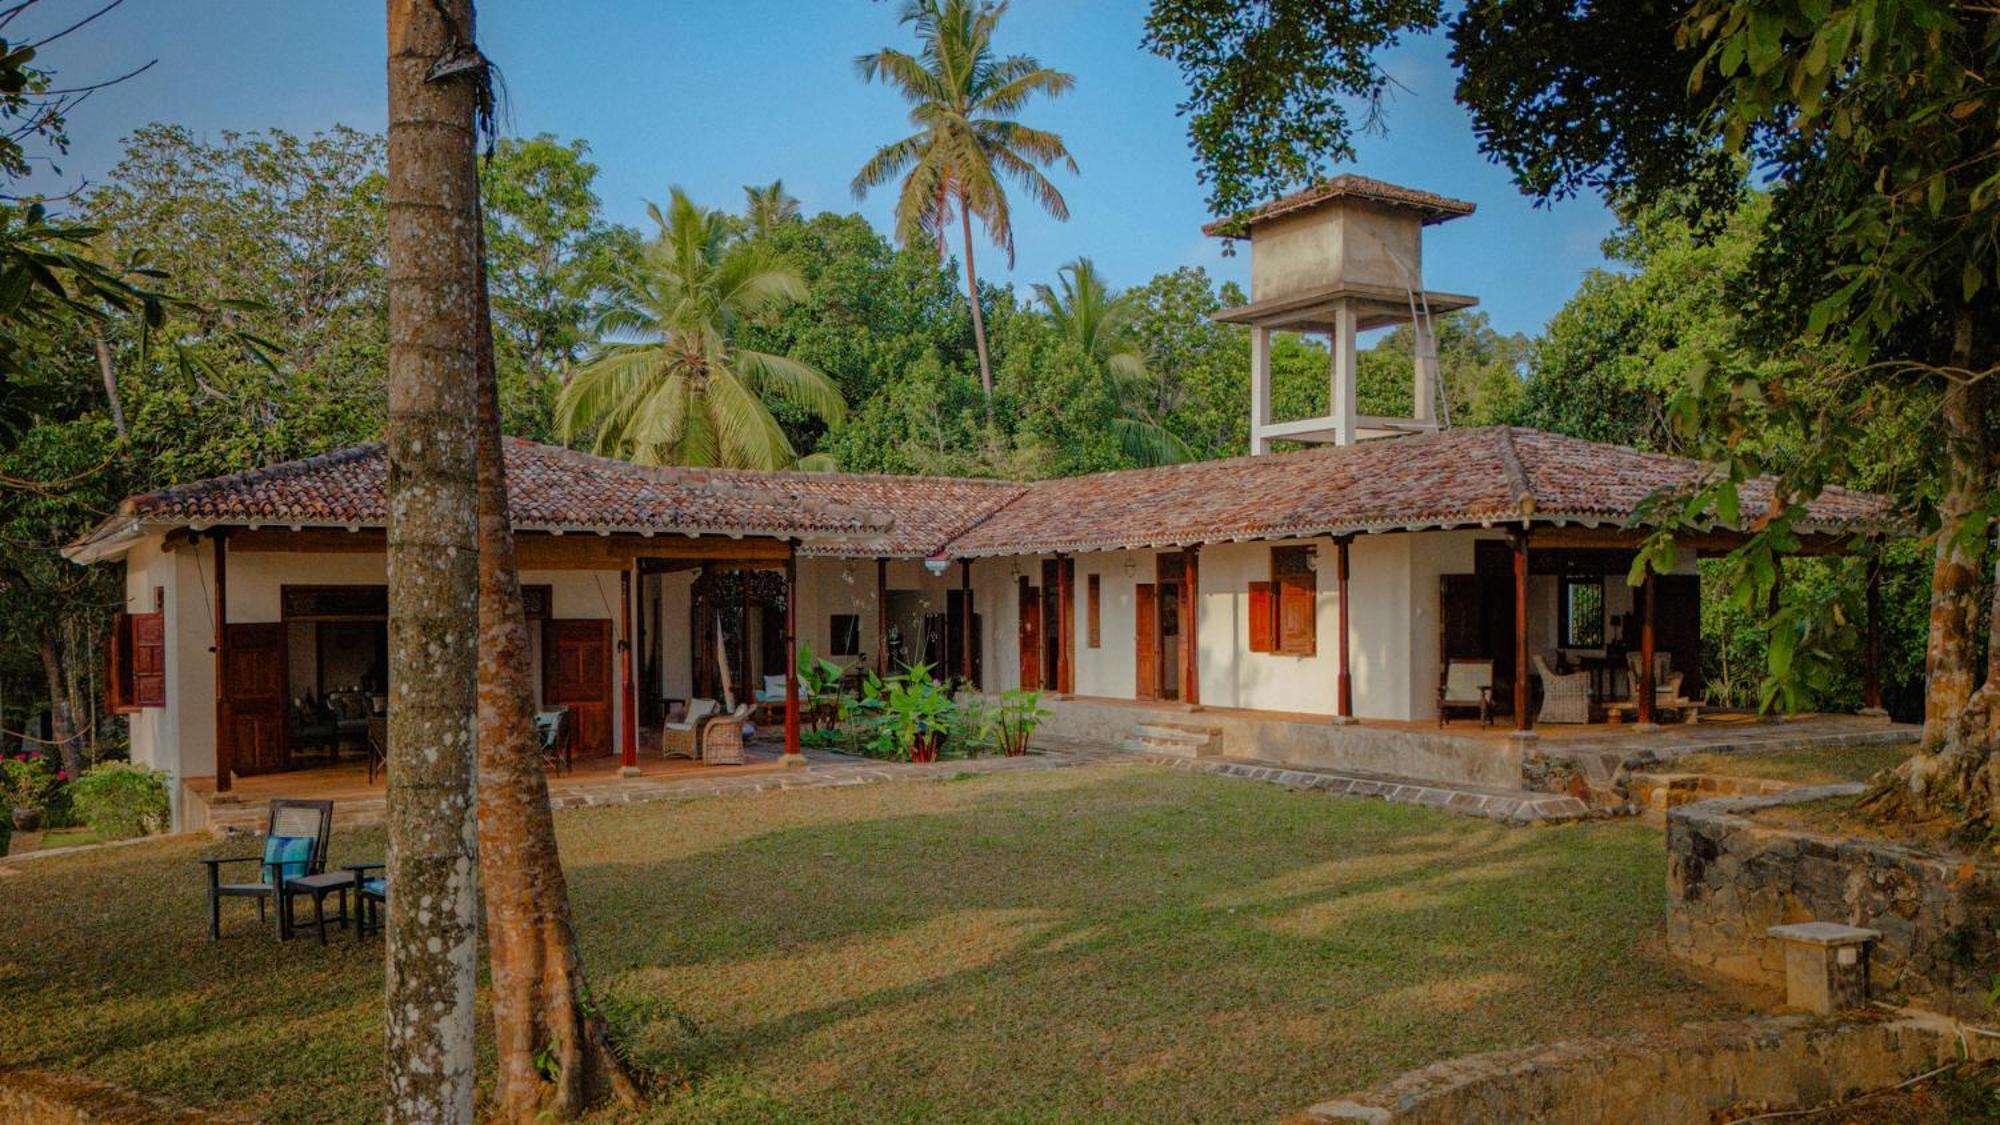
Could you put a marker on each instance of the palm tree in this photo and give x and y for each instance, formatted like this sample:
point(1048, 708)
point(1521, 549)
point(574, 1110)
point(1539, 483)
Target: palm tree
point(768, 207)
point(668, 385)
point(1098, 321)
point(962, 97)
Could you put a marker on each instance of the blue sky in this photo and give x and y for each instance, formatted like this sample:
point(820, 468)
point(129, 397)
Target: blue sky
point(715, 94)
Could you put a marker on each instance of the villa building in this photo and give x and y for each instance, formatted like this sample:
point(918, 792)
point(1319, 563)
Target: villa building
point(1333, 582)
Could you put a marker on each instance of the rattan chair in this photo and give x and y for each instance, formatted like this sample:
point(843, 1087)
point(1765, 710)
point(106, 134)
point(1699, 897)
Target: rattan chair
point(1565, 696)
point(681, 738)
point(722, 737)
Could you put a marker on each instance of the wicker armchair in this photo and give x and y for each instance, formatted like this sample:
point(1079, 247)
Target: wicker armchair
point(722, 737)
point(682, 737)
point(1565, 697)
point(1666, 684)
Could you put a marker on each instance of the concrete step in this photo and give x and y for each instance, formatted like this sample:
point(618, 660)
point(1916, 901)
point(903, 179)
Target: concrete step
point(1174, 739)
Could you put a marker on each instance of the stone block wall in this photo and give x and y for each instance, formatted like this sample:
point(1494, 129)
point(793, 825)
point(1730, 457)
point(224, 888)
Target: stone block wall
point(1730, 878)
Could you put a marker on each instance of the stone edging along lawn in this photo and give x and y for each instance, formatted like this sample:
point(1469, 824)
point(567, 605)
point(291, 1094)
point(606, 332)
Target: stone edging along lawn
point(1686, 1074)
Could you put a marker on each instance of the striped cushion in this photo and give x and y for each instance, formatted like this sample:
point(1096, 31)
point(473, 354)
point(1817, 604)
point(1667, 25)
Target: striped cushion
point(377, 887)
point(287, 857)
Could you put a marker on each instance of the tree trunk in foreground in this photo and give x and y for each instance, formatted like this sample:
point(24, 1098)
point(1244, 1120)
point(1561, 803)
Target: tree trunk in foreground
point(1956, 775)
point(432, 931)
point(542, 1018)
point(62, 717)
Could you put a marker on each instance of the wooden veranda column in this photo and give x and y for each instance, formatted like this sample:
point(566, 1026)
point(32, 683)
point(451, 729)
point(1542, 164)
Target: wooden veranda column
point(1646, 690)
point(882, 617)
point(1871, 666)
point(1343, 697)
point(225, 748)
point(1191, 630)
point(965, 637)
point(1520, 541)
point(792, 756)
point(628, 684)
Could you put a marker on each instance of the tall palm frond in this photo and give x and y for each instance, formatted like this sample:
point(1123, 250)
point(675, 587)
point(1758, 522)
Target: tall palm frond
point(1098, 321)
point(767, 208)
point(966, 147)
point(667, 384)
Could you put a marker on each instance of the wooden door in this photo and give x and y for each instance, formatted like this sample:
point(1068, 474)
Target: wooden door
point(1677, 627)
point(576, 673)
point(1146, 640)
point(253, 698)
point(1030, 634)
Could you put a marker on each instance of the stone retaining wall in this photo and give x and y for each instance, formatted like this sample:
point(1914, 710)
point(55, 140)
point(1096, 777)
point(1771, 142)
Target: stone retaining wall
point(1665, 1078)
point(1729, 879)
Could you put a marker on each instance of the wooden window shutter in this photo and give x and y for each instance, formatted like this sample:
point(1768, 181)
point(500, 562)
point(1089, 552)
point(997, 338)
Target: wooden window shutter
point(1263, 618)
point(1298, 602)
point(1093, 611)
point(149, 659)
point(118, 690)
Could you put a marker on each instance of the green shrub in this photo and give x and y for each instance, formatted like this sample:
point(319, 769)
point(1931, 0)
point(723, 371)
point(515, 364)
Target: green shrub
point(27, 780)
point(118, 799)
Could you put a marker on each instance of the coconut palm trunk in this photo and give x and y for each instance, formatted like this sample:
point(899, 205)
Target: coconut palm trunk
point(978, 317)
point(432, 928)
point(553, 1056)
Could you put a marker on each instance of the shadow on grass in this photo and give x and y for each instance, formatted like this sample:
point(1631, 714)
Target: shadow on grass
point(1078, 944)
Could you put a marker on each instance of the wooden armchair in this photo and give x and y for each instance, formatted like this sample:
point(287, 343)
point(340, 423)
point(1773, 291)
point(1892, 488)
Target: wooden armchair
point(295, 841)
point(556, 730)
point(1467, 686)
point(681, 737)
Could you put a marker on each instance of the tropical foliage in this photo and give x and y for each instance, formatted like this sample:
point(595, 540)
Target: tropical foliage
point(670, 384)
point(967, 146)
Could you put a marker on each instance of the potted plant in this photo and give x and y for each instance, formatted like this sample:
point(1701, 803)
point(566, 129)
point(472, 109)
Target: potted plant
point(1015, 718)
point(29, 780)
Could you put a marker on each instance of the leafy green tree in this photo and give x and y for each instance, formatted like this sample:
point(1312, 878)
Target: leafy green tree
point(668, 383)
point(1097, 322)
point(549, 256)
point(1272, 83)
point(967, 145)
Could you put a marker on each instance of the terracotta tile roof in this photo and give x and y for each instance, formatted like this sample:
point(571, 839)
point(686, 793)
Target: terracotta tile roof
point(1457, 477)
point(1453, 478)
point(1436, 208)
point(549, 488)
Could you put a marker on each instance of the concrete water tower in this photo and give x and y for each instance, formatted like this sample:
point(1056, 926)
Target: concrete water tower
point(1342, 257)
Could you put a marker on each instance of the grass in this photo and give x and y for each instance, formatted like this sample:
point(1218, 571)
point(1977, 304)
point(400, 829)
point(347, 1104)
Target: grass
point(1805, 765)
point(1107, 943)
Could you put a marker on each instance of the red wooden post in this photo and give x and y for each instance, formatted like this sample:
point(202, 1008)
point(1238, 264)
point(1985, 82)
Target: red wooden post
point(1871, 669)
point(1191, 630)
point(882, 617)
point(225, 746)
point(965, 637)
point(1343, 700)
point(792, 755)
point(1521, 630)
point(628, 692)
point(1647, 691)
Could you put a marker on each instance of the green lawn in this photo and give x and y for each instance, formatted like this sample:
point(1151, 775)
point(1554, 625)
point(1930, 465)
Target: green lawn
point(1103, 943)
point(1805, 765)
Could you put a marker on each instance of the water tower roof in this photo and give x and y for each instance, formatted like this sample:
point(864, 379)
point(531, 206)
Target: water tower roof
point(1434, 208)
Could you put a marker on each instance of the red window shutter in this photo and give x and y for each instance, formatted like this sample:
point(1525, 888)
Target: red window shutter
point(1298, 619)
point(1263, 618)
point(118, 690)
point(149, 660)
